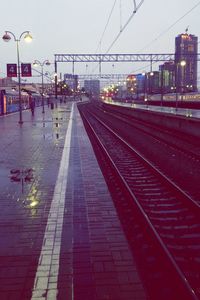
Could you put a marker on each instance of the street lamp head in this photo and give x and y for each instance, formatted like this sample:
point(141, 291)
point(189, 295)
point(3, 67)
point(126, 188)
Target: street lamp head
point(28, 37)
point(183, 63)
point(41, 64)
point(6, 37)
point(47, 63)
point(35, 64)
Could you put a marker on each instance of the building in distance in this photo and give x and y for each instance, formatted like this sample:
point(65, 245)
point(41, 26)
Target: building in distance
point(92, 87)
point(186, 50)
point(71, 81)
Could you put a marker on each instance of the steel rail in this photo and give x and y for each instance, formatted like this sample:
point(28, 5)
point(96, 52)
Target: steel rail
point(193, 204)
point(188, 289)
point(130, 120)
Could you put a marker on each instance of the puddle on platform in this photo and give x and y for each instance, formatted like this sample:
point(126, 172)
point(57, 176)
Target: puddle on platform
point(32, 200)
point(22, 176)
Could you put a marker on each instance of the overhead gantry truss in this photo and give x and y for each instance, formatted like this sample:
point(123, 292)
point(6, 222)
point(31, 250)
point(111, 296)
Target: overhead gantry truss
point(114, 58)
point(100, 58)
point(102, 76)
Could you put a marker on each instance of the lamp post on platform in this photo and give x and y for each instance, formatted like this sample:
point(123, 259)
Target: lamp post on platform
point(181, 64)
point(50, 77)
point(145, 88)
point(28, 38)
point(42, 64)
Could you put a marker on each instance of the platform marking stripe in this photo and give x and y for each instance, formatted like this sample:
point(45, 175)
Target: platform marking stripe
point(46, 278)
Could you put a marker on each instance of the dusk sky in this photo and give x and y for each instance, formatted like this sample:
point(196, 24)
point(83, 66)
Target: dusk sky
point(63, 26)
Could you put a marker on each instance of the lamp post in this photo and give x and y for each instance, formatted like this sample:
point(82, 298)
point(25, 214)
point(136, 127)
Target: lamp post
point(28, 38)
point(42, 64)
point(182, 64)
point(50, 77)
point(161, 84)
point(151, 78)
point(145, 86)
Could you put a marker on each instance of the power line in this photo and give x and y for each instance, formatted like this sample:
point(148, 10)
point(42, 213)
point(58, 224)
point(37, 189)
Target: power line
point(144, 67)
point(136, 7)
point(171, 26)
point(120, 14)
point(165, 31)
point(109, 17)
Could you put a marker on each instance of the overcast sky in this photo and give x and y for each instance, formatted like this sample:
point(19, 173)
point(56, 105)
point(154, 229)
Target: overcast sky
point(76, 26)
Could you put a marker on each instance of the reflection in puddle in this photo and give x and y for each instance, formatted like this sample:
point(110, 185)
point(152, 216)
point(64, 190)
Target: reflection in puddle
point(22, 175)
point(32, 200)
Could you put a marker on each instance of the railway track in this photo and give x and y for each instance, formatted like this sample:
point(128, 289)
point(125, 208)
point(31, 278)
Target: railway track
point(167, 213)
point(187, 145)
point(182, 152)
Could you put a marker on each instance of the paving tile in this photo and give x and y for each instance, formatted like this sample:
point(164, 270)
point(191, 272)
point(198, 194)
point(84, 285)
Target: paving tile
point(96, 227)
point(22, 225)
point(94, 260)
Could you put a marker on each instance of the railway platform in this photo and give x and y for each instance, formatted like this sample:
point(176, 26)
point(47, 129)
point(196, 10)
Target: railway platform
point(60, 234)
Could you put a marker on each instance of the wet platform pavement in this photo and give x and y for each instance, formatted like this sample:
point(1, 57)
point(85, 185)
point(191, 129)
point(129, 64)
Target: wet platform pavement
point(60, 236)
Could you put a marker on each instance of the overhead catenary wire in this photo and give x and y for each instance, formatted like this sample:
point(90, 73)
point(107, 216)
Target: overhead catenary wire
point(106, 26)
point(171, 26)
point(120, 13)
point(165, 31)
point(135, 5)
point(136, 8)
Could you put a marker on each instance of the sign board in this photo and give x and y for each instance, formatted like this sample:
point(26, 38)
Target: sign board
point(11, 70)
point(26, 70)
